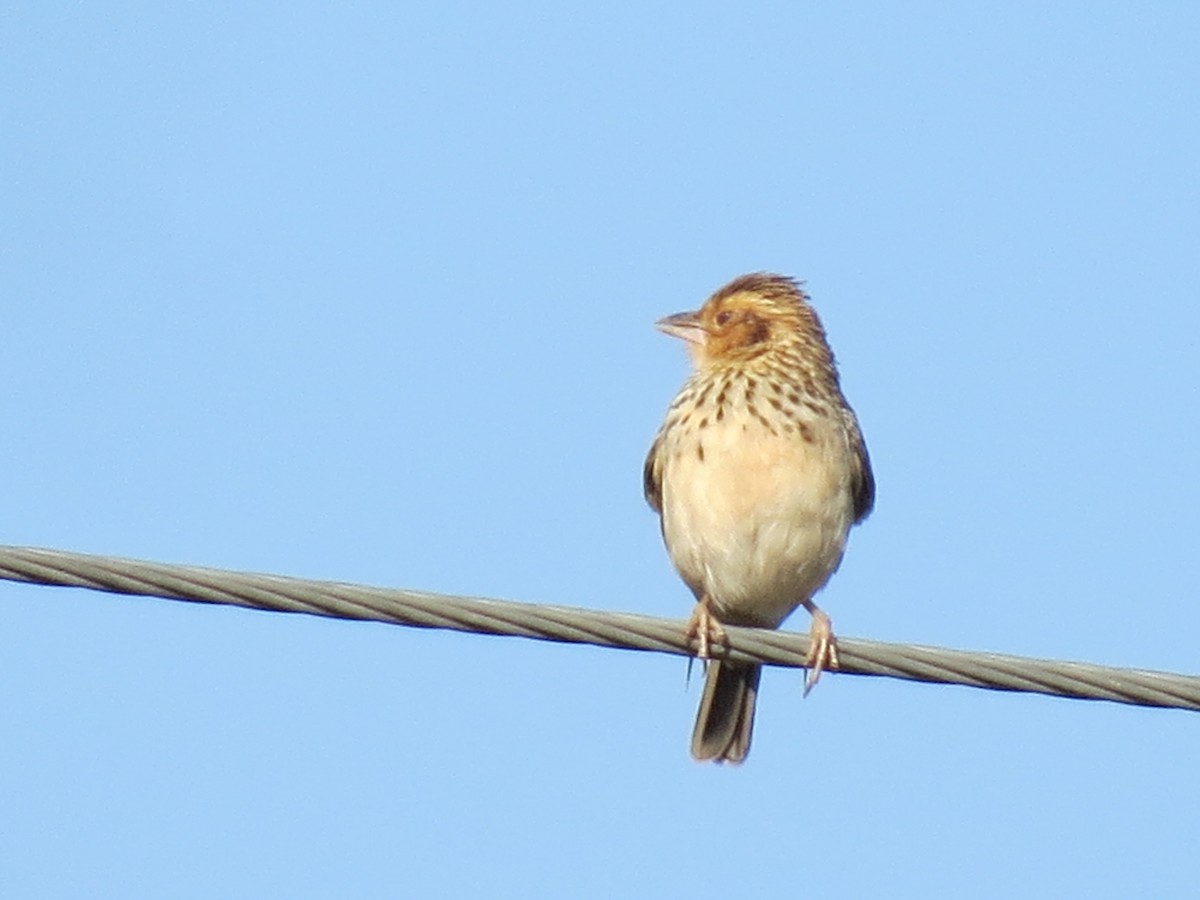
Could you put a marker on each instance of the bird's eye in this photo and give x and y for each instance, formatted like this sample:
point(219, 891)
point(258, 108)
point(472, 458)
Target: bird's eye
point(723, 317)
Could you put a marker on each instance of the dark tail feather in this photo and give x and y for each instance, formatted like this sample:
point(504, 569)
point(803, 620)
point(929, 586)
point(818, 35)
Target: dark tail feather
point(726, 716)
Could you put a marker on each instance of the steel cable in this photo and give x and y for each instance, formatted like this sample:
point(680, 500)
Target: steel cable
point(584, 626)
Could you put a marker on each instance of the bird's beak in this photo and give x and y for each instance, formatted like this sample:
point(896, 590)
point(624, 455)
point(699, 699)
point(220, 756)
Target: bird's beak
point(685, 325)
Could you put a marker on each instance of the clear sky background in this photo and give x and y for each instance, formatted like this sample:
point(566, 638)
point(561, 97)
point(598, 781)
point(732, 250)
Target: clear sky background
point(368, 294)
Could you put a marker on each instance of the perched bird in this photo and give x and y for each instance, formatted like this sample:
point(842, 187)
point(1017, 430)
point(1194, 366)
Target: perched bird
point(758, 472)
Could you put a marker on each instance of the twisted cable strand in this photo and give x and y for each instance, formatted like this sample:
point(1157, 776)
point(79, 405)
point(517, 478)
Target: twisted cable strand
point(582, 626)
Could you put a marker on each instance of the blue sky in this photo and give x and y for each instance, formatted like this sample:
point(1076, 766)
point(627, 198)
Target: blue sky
point(367, 294)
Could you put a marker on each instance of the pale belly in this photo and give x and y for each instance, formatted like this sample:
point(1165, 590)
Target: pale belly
point(757, 525)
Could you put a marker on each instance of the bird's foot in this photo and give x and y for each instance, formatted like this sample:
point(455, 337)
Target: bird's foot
point(822, 647)
point(706, 632)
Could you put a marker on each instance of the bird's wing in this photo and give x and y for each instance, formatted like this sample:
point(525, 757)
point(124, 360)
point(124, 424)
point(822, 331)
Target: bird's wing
point(652, 475)
point(862, 479)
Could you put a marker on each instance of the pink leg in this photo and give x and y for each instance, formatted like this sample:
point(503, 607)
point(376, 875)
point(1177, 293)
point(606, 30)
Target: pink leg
point(822, 653)
point(705, 630)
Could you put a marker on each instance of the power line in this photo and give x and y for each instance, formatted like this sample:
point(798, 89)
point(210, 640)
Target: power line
point(584, 626)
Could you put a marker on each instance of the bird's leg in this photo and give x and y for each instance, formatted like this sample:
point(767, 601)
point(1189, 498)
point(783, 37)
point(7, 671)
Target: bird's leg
point(705, 630)
point(822, 646)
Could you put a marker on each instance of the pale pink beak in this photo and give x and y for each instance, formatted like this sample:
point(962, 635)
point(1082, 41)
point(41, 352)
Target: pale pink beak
point(685, 325)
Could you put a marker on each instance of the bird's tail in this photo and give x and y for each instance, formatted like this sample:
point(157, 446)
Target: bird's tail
point(725, 719)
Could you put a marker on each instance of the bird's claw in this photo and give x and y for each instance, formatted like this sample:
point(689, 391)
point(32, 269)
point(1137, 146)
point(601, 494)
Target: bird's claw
point(706, 632)
point(822, 649)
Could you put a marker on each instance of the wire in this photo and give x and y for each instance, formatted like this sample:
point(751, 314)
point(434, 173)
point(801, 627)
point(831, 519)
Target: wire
point(583, 626)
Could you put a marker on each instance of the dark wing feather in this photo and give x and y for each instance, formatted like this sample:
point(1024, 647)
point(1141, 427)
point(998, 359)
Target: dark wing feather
point(652, 476)
point(862, 479)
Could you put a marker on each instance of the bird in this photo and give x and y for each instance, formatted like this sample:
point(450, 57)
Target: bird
point(758, 473)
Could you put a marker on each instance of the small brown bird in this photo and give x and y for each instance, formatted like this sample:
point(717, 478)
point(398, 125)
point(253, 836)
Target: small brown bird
point(758, 472)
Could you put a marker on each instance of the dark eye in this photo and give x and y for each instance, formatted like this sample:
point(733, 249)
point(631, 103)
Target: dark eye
point(723, 317)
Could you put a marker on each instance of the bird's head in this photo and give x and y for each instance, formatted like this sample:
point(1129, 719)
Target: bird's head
point(750, 316)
